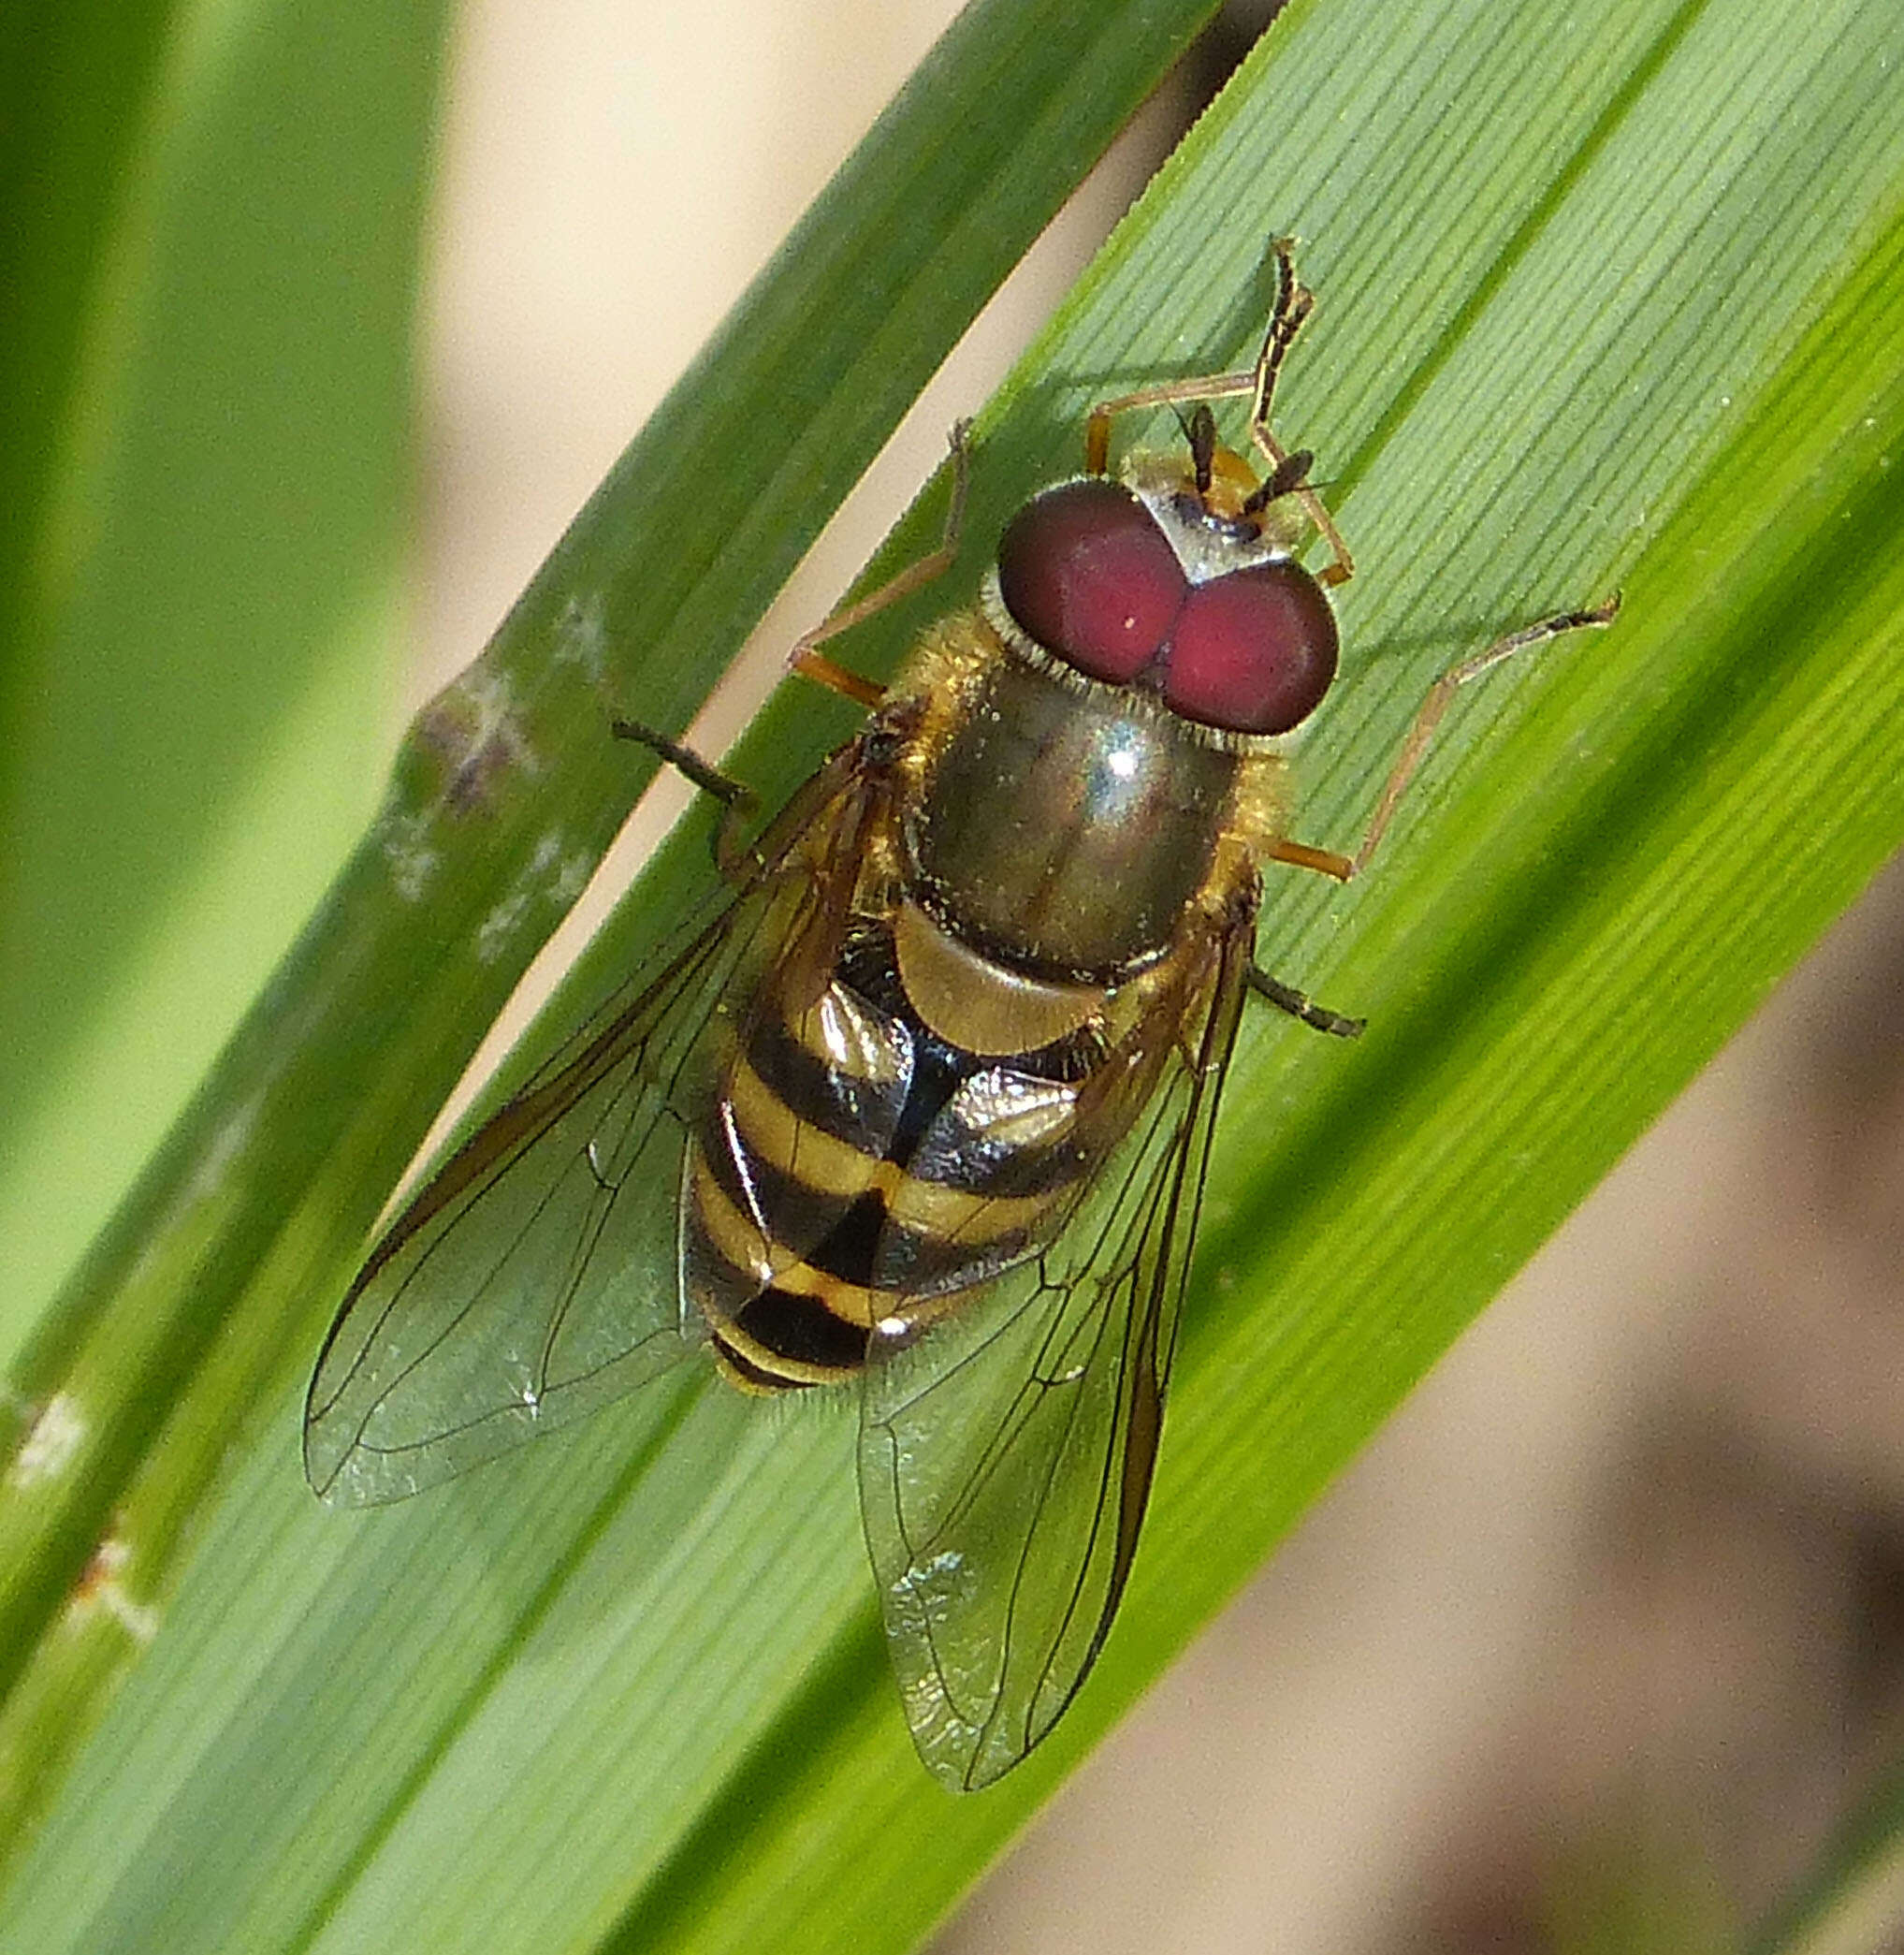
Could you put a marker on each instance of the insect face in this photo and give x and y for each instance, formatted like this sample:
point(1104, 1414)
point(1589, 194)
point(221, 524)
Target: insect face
point(1155, 584)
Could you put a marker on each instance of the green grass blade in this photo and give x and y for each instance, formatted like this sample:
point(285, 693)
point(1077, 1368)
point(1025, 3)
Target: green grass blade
point(232, 1247)
point(1609, 295)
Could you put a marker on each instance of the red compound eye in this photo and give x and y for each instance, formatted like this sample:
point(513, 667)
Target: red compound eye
point(1253, 651)
point(1085, 571)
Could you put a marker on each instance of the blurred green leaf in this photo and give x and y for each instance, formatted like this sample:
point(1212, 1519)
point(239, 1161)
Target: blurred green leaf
point(211, 222)
point(1853, 1899)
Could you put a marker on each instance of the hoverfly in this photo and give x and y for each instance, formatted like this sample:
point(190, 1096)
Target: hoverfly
point(926, 1102)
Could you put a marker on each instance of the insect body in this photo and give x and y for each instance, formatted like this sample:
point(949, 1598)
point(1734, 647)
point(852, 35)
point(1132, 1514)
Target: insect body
point(1047, 906)
point(926, 1104)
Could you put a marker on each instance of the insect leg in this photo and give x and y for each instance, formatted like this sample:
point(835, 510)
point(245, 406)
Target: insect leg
point(807, 660)
point(1285, 997)
point(1288, 472)
point(1168, 393)
point(1428, 716)
point(731, 855)
point(1294, 301)
point(1299, 854)
point(1327, 862)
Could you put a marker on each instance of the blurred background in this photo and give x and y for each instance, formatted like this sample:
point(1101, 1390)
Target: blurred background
point(1602, 1637)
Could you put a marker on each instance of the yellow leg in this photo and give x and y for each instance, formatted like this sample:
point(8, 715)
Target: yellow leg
point(805, 658)
point(1427, 718)
point(1294, 301)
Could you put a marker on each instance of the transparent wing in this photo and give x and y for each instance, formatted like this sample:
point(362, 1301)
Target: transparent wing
point(1006, 1454)
point(535, 1277)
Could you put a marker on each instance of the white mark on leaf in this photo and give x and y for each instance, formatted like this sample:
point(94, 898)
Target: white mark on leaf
point(409, 854)
point(545, 876)
point(102, 1591)
point(51, 1443)
point(582, 634)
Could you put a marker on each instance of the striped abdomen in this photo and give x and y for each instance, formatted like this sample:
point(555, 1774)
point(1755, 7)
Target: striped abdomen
point(858, 1166)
